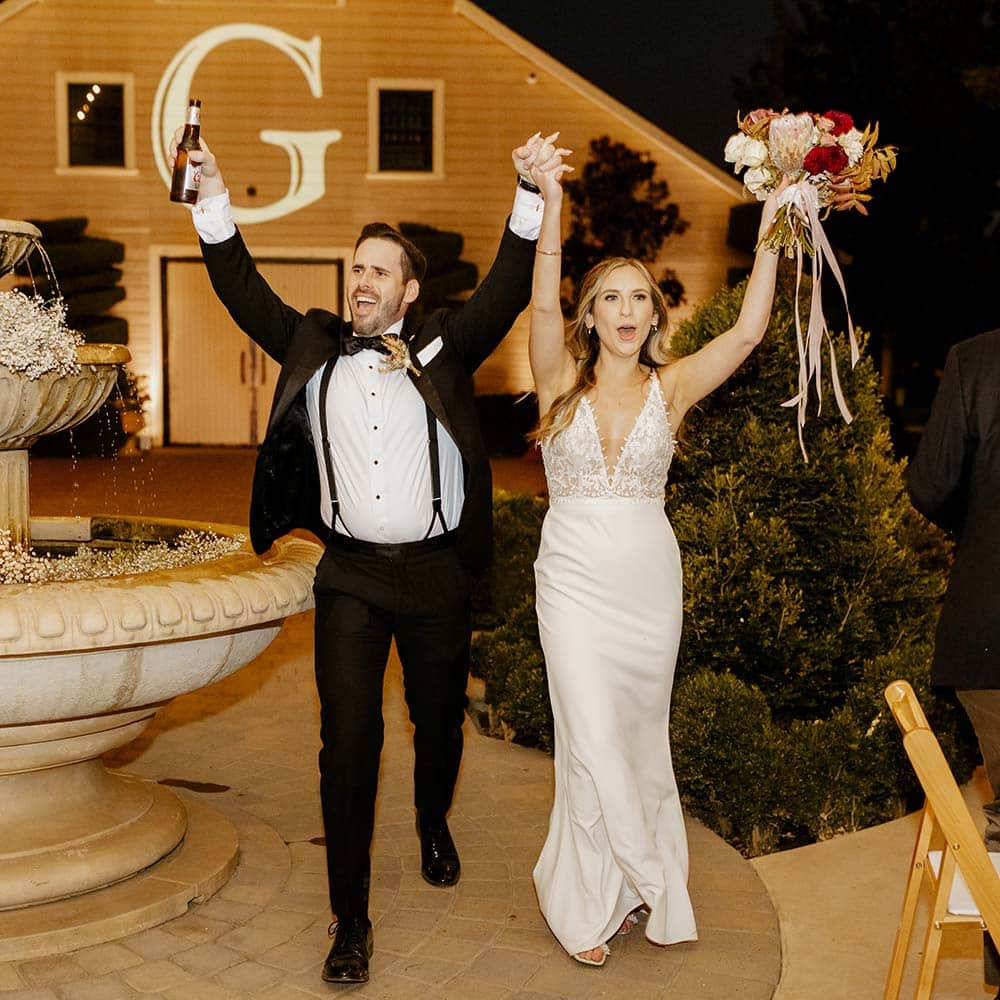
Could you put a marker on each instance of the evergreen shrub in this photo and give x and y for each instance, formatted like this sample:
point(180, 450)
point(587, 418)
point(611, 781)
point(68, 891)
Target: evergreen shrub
point(510, 661)
point(517, 527)
point(808, 587)
point(724, 747)
point(796, 574)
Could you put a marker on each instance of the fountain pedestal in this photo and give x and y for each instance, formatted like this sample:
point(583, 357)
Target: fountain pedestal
point(14, 494)
point(106, 827)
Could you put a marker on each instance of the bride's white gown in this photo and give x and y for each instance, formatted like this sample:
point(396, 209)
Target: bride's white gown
point(608, 578)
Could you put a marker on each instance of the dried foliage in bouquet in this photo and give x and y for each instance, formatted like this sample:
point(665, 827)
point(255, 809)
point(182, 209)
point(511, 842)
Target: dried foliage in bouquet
point(825, 164)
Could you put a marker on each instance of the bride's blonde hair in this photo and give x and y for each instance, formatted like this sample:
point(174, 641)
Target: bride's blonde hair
point(584, 346)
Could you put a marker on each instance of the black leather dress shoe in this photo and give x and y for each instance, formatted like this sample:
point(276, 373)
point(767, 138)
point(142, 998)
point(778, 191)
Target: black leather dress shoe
point(439, 862)
point(353, 945)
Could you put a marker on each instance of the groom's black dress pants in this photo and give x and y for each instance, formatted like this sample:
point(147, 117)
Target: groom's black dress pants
point(366, 595)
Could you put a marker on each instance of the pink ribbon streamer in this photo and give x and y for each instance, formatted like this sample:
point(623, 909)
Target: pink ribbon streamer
point(801, 199)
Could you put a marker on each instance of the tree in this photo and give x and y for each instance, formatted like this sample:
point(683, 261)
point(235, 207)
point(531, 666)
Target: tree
point(797, 575)
point(925, 260)
point(619, 210)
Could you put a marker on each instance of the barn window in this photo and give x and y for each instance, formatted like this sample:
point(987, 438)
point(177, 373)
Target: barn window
point(406, 129)
point(95, 120)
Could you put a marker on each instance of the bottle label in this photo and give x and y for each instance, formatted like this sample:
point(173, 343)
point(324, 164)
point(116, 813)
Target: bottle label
point(194, 115)
point(192, 176)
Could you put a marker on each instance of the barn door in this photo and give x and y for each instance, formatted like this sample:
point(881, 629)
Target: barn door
point(218, 383)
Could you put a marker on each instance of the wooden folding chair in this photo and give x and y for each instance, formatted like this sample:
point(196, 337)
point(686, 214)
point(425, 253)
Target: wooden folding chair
point(962, 869)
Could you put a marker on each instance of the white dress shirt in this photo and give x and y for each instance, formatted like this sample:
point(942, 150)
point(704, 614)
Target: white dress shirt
point(378, 437)
point(377, 423)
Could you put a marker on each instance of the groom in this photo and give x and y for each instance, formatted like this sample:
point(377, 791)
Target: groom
point(373, 444)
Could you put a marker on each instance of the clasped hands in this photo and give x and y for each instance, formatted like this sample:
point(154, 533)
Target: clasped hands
point(541, 162)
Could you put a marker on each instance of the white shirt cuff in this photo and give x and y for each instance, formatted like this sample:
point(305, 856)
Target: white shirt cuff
point(213, 218)
point(526, 215)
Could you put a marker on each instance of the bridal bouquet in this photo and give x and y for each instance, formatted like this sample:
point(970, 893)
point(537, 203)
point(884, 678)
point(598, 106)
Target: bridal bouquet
point(826, 152)
point(826, 164)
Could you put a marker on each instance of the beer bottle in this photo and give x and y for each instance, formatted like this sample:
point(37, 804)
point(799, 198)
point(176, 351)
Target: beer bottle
point(187, 175)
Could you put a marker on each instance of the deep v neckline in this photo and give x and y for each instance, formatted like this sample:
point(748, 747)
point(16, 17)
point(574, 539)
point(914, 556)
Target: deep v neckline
point(610, 476)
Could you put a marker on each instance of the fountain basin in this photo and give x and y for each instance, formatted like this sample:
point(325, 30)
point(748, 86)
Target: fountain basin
point(85, 665)
point(31, 408)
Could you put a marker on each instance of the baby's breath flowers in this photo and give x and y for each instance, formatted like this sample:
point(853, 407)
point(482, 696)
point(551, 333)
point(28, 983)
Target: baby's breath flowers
point(21, 565)
point(34, 338)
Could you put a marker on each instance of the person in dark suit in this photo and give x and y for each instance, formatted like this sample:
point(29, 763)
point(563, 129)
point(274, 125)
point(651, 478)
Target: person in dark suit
point(954, 481)
point(373, 444)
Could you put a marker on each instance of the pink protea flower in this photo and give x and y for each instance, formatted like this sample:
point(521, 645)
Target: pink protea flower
point(789, 138)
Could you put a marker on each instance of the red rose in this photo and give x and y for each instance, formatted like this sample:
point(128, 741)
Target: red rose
point(842, 122)
point(825, 159)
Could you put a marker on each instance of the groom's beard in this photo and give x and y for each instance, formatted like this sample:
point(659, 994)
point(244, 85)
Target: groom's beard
point(379, 319)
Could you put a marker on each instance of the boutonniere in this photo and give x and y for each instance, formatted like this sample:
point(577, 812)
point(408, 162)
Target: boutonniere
point(398, 355)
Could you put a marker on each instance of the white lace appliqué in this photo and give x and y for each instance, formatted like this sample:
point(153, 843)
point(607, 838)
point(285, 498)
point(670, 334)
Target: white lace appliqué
point(575, 464)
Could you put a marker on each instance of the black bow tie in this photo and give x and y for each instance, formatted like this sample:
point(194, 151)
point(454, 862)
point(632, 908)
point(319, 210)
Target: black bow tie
point(351, 343)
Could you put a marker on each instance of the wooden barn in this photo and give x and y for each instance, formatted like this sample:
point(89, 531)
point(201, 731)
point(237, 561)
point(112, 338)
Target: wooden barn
point(325, 114)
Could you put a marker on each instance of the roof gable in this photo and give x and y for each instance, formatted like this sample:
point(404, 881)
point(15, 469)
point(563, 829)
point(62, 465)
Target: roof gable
point(657, 136)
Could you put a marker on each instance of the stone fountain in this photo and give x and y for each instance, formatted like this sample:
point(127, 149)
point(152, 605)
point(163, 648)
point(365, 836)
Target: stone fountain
point(88, 854)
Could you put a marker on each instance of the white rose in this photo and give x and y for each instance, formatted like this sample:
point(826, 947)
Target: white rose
point(850, 143)
point(759, 181)
point(734, 145)
point(754, 153)
point(742, 151)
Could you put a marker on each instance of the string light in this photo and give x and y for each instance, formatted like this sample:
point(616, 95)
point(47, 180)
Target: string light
point(92, 94)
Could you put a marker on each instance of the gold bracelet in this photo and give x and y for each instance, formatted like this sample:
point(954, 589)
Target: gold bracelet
point(549, 253)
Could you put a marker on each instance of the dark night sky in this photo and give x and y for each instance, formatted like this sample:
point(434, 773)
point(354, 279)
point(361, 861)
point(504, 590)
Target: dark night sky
point(670, 60)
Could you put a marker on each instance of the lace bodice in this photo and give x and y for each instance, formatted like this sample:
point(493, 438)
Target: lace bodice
point(576, 466)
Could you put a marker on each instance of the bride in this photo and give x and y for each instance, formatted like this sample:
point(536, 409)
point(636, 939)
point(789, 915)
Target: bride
point(608, 577)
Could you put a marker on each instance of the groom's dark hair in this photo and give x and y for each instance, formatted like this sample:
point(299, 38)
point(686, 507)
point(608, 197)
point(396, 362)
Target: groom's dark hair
point(412, 261)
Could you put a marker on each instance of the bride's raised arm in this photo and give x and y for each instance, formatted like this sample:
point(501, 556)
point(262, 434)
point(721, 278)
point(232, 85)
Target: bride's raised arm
point(693, 377)
point(550, 361)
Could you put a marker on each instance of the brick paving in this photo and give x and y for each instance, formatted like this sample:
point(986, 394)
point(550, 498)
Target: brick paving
point(247, 746)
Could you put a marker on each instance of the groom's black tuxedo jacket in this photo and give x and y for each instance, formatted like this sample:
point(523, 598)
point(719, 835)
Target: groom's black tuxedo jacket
point(286, 479)
point(954, 480)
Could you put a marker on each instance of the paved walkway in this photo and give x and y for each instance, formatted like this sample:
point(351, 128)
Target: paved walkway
point(248, 745)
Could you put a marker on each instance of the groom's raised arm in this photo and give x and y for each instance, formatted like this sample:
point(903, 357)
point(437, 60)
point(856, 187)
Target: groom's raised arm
point(254, 306)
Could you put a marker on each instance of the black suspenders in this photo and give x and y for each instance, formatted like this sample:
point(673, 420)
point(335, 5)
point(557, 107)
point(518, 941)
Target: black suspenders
point(432, 441)
point(432, 444)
